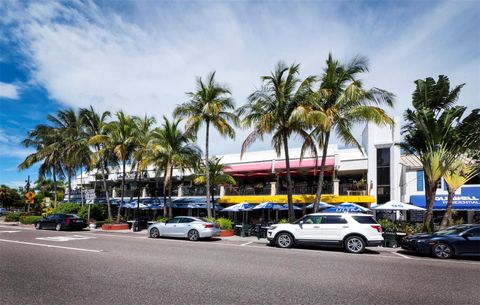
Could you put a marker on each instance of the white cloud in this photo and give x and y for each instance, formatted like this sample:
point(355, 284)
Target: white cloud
point(9, 91)
point(10, 146)
point(145, 61)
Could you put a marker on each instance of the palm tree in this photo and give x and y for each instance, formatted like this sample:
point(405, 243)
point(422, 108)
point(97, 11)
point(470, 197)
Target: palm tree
point(95, 124)
point(456, 175)
point(339, 104)
point(121, 136)
point(177, 151)
point(210, 104)
point(269, 110)
point(47, 143)
point(217, 176)
point(141, 158)
point(435, 124)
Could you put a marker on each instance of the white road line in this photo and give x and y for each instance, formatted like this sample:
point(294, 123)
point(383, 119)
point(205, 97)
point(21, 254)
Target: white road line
point(9, 231)
point(250, 242)
point(65, 238)
point(49, 246)
point(401, 255)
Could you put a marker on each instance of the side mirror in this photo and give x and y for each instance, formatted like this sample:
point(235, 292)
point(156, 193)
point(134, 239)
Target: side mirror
point(300, 223)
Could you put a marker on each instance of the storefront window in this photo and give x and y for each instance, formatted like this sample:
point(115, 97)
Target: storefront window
point(383, 175)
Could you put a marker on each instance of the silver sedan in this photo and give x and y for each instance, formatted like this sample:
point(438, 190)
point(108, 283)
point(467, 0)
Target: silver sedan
point(189, 227)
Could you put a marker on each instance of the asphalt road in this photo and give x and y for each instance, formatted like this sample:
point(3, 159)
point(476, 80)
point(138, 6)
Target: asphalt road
point(49, 267)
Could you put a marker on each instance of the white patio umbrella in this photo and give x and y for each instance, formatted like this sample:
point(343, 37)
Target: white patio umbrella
point(239, 207)
point(268, 206)
point(394, 205)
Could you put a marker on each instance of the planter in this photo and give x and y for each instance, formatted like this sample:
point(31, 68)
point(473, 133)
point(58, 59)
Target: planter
point(227, 233)
point(119, 226)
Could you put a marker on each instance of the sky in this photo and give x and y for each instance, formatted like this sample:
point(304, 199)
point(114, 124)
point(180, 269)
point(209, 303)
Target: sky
point(143, 56)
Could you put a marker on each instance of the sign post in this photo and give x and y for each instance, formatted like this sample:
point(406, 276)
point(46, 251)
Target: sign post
point(90, 197)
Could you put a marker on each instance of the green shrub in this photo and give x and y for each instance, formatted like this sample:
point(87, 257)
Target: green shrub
point(66, 208)
point(97, 212)
point(283, 220)
point(28, 220)
point(387, 225)
point(12, 216)
point(162, 219)
point(225, 223)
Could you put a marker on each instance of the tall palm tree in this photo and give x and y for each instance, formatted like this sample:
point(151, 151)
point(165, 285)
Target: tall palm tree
point(457, 174)
point(48, 151)
point(95, 124)
point(269, 111)
point(436, 123)
point(210, 104)
point(339, 104)
point(177, 151)
point(121, 136)
point(217, 176)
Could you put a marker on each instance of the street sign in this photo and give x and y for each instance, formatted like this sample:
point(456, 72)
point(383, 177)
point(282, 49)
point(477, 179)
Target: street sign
point(29, 197)
point(47, 201)
point(90, 196)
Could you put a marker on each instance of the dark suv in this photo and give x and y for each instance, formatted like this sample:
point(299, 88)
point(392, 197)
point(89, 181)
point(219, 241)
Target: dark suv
point(61, 222)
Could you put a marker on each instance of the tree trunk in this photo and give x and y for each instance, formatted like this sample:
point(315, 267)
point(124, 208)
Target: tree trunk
point(138, 194)
point(69, 184)
point(170, 210)
point(124, 161)
point(165, 186)
point(291, 213)
point(54, 187)
point(213, 201)
point(322, 173)
point(81, 185)
point(430, 191)
point(109, 208)
point(207, 172)
point(448, 213)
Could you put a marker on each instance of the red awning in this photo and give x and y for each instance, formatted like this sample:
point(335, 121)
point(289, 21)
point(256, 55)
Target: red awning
point(305, 163)
point(249, 167)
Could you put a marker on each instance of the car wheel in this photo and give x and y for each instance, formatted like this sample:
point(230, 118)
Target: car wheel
point(354, 244)
point(284, 240)
point(442, 250)
point(38, 226)
point(58, 227)
point(193, 235)
point(154, 233)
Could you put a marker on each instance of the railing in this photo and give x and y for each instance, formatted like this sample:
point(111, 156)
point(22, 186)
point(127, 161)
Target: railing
point(198, 191)
point(351, 189)
point(307, 189)
point(247, 191)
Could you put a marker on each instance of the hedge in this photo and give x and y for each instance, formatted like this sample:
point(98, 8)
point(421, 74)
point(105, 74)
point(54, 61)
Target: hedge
point(28, 220)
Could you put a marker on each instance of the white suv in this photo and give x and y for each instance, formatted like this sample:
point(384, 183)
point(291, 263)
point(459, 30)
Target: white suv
point(351, 231)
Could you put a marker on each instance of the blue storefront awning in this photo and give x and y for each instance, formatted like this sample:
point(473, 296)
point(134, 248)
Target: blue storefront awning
point(468, 199)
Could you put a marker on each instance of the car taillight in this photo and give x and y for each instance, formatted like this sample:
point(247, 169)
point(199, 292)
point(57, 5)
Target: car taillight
point(207, 225)
point(68, 221)
point(378, 228)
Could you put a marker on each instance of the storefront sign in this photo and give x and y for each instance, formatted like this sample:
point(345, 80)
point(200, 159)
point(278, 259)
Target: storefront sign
point(468, 199)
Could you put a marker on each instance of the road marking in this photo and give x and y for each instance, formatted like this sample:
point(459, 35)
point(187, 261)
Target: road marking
point(9, 231)
point(64, 238)
point(401, 255)
point(17, 227)
point(49, 246)
point(250, 242)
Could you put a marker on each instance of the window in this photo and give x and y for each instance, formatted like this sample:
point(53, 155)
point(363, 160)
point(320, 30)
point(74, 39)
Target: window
point(383, 175)
point(174, 220)
point(186, 220)
point(333, 219)
point(311, 220)
point(364, 219)
point(420, 181)
point(474, 232)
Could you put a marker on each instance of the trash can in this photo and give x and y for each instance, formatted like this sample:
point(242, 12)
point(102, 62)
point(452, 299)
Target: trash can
point(390, 239)
point(139, 224)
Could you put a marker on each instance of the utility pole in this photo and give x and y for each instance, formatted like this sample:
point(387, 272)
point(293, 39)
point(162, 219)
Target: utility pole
point(27, 187)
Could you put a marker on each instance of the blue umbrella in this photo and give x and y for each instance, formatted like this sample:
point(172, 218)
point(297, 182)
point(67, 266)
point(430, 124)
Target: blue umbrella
point(268, 206)
point(346, 207)
point(239, 207)
point(285, 207)
point(321, 205)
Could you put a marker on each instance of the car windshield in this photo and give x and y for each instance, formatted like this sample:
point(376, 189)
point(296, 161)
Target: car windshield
point(452, 230)
point(72, 216)
point(301, 219)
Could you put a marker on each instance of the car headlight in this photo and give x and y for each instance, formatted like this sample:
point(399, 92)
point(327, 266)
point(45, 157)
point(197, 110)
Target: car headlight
point(272, 227)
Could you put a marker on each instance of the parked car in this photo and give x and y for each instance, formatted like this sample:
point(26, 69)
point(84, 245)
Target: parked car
point(461, 240)
point(353, 232)
point(3, 211)
point(61, 222)
point(189, 227)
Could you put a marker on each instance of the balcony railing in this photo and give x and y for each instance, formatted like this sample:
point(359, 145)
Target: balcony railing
point(351, 189)
point(307, 189)
point(198, 191)
point(247, 191)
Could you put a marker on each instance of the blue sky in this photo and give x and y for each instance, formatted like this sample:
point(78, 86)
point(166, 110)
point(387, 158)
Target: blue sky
point(142, 56)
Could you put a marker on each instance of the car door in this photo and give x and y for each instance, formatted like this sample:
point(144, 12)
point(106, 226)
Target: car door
point(332, 228)
point(49, 222)
point(308, 228)
point(171, 227)
point(183, 226)
point(471, 242)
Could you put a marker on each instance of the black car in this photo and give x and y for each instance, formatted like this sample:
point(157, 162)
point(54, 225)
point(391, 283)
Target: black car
point(61, 222)
point(461, 240)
